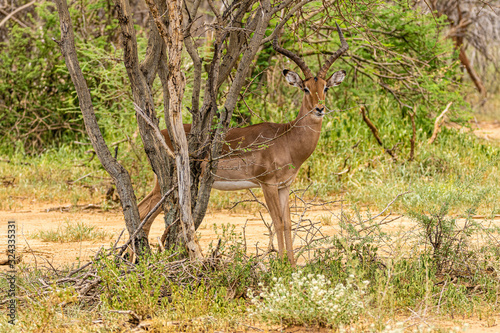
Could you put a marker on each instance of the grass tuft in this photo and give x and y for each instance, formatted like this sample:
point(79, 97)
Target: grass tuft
point(73, 232)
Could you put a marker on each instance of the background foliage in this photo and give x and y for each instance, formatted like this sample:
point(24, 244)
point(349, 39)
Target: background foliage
point(399, 62)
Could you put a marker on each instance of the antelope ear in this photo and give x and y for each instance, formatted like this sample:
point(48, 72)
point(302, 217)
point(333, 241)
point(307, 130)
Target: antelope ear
point(336, 78)
point(293, 78)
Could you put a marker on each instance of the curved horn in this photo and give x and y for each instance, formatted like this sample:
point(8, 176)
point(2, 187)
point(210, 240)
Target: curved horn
point(292, 56)
point(343, 47)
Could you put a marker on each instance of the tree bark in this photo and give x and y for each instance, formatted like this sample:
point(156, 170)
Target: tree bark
point(413, 134)
point(173, 38)
point(119, 174)
point(459, 28)
point(141, 76)
point(141, 90)
point(238, 35)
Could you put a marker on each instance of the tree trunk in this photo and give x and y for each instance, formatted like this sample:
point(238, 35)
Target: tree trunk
point(119, 174)
point(173, 38)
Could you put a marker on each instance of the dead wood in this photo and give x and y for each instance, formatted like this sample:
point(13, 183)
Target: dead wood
point(13, 18)
point(70, 182)
point(8, 181)
point(472, 72)
point(9, 161)
point(17, 10)
point(9, 258)
point(374, 131)
point(71, 207)
point(437, 124)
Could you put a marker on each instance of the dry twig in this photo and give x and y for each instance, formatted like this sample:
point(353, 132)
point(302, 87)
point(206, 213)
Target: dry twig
point(375, 133)
point(6, 18)
point(438, 123)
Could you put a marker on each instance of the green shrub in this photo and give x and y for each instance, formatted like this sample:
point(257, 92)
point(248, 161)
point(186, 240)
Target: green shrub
point(137, 291)
point(38, 103)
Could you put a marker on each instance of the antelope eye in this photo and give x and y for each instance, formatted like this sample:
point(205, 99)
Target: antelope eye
point(306, 90)
point(326, 89)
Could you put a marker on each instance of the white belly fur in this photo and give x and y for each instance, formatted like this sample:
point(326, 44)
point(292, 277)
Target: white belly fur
point(233, 185)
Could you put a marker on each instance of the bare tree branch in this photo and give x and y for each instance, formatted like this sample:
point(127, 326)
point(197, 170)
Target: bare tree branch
point(437, 124)
point(119, 174)
point(17, 10)
point(374, 131)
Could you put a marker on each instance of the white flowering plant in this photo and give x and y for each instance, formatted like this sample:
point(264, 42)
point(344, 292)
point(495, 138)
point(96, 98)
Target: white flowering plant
point(309, 299)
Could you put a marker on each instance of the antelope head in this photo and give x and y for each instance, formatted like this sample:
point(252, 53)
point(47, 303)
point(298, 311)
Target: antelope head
point(314, 87)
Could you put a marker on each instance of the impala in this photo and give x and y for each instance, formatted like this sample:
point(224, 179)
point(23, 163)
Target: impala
point(269, 155)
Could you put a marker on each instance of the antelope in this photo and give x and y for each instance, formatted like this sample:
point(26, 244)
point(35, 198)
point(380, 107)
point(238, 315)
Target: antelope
point(269, 155)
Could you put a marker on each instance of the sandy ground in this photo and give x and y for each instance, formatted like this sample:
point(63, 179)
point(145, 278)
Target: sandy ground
point(32, 220)
point(488, 130)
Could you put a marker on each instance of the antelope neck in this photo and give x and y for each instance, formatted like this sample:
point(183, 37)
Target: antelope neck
point(304, 133)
